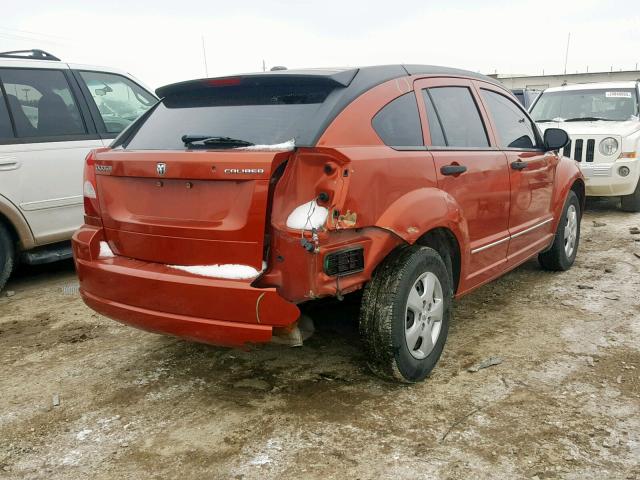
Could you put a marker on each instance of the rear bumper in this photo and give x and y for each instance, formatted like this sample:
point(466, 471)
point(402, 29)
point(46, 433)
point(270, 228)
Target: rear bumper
point(157, 298)
point(604, 179)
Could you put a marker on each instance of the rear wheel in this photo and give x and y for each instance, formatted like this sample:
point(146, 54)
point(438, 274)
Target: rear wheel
point(7, 255)
point(564, 249)
point(404, 318)
point(631, 203)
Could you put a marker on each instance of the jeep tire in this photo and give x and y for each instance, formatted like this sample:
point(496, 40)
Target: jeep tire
point(404, 318)
point(564, 248)
point(7, 255)
point(631, 203)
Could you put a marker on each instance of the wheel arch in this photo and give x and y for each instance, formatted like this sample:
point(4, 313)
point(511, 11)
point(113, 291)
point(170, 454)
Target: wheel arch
point(430, 217)
point(444, 241)
point(579, 188)
point(568, 178)
point(17, 225)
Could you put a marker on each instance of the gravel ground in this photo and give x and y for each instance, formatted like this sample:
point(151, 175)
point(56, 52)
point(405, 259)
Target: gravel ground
point(84, 397)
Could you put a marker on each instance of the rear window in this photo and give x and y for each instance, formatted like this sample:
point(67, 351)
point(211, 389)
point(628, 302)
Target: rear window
point(260, 114)
point(458, 116)
point(398, 123)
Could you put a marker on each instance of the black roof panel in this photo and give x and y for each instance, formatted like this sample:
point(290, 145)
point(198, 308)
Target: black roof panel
point(349, 84)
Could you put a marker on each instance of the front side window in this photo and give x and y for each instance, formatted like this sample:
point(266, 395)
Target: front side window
point(41, 103)
point(398, 123)
point(514, 129)
point(455, 110)
point(118, 99)
point(612, 104)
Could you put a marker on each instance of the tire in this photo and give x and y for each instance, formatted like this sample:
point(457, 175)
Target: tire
point(404, 343)
point(7, 255)
point(563, 251)
point(631, 203)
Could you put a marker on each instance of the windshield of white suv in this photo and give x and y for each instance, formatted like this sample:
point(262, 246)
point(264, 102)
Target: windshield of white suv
point(612, 104)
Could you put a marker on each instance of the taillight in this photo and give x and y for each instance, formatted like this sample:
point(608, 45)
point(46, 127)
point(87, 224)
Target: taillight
point(90, 189)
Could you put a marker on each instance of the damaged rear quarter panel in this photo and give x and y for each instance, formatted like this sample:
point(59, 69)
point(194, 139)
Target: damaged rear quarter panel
point(377, 197)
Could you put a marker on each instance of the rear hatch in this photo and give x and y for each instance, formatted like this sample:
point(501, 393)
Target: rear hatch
point(201, 211)
point(180, 200)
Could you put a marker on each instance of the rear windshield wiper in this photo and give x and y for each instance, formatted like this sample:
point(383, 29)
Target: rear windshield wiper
point(586, 119)
point(545, 120)
point(218, 142)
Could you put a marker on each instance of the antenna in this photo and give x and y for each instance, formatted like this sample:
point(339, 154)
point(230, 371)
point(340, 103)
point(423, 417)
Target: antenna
point(204, 57)
point(566, 55)
point(264, 66)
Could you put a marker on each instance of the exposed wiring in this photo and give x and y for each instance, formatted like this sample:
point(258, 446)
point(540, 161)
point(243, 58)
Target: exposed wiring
point(310, 246)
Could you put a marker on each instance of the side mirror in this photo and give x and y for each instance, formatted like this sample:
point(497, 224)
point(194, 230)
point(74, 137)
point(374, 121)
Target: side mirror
point(555, 139)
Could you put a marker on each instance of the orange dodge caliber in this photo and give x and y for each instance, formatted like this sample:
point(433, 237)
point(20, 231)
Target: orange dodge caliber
point(235, 200)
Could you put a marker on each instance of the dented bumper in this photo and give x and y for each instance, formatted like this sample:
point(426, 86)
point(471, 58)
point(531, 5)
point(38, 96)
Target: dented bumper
point(157, 298)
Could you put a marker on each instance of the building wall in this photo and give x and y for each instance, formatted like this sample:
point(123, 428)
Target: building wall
point(541, 82)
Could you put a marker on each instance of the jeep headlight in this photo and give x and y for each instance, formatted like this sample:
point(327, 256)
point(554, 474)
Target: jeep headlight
point(608, 146)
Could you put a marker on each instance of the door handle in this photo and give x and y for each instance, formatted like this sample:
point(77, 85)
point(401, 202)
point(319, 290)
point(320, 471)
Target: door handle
point(453, 169)
point(518, 165)
point(8, 163)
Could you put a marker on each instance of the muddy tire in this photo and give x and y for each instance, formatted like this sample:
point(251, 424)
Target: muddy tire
point(631, 203)
point(404, 318)
point(7, 255)
point(563, 251)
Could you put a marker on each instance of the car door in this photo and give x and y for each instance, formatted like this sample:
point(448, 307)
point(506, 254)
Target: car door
point(52, 134)
point(469, 169)
point(531, 173)
point(9, 186)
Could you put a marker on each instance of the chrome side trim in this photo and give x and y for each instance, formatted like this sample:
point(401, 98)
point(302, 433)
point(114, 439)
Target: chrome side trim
point(502, 240)
point(489, 245)
point(532, 228)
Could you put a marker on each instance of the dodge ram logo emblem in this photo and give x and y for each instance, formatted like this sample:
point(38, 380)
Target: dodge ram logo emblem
point(161, 168)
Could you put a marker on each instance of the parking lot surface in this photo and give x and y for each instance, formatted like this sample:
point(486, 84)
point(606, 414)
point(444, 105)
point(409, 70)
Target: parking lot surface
point(85, 397)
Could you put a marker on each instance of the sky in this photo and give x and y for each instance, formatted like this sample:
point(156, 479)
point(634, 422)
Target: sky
point(161, 41)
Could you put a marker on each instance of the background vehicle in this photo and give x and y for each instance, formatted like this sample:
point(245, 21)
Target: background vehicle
point(205, 220)
point(51, 114)
point(603, 121)
point(526, 96)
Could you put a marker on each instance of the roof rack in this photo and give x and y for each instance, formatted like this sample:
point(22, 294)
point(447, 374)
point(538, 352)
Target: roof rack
point(33, 54)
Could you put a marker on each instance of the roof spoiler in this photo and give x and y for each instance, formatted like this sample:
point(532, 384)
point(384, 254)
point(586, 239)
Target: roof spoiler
point(337, 78)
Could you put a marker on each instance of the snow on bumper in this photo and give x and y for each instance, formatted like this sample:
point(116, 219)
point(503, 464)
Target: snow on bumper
point(604, 179)
point(161, 299)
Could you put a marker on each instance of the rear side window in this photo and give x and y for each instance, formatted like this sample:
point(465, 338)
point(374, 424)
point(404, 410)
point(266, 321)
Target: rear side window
point(6, 131)
point(398, 123)
point(435, 127)
point(41, 103)
point(513, 127)
point(264, 114)
point(118, 99)
point(456, 112)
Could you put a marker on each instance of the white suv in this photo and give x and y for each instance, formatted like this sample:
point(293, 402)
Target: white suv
point(603, 121)
point(51, 114)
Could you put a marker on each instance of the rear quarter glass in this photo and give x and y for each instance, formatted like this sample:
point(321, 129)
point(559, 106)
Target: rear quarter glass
point(264, 115)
